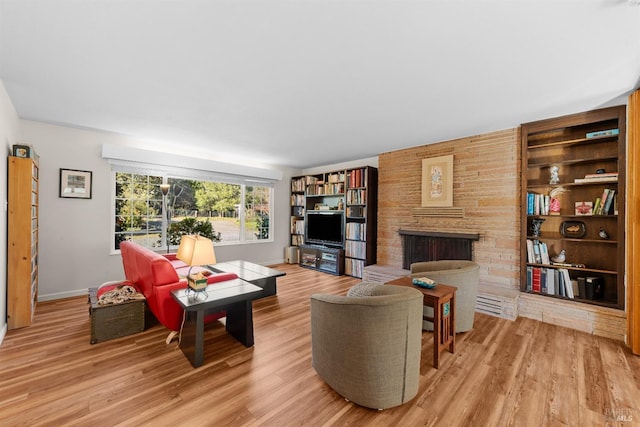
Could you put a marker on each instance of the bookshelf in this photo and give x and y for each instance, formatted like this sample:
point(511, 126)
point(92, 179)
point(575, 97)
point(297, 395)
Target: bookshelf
point(360, 231)
point(350, 192)
point(573, 200)
point(22, 235)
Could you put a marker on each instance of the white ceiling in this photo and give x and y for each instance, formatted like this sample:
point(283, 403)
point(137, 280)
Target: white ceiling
point(312, 82)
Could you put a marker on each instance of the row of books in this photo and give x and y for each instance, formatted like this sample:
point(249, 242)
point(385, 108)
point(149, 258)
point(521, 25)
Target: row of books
point(353, 267)
point(356, 231)
point(357, 197)
point(297, 225)
point(357, 178)
point(355, 249)
point(538, 204)
point(298, 184)
point(604, 205)
point(551, 281)
point(297, 200)
point(537, 252)
point(356, 212)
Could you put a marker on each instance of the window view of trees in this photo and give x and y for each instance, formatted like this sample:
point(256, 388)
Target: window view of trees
point(220, 211)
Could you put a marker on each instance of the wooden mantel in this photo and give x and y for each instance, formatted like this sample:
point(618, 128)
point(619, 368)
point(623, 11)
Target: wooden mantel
point(467, 236)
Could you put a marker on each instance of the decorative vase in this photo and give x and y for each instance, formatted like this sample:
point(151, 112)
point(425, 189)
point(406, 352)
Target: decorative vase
point(554, 206)
point(536, 223)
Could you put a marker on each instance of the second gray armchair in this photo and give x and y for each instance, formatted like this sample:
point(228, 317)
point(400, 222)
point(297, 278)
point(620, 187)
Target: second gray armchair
point(462, 274)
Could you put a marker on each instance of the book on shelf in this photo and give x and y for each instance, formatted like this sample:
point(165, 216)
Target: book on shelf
point(551, 283)
point(536, 253)
point(559, 288)
point(535, 280)
point(603, 133)
point(591, 180)
point(566, 280)
point(607, 206)
point(598, 177)
point(596, 206)
point(603, 175)
point(544, 253)
point(607, 195)
point(530, 256)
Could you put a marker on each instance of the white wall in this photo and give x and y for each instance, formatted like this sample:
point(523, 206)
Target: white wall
point(9, 134)
point(75, 233)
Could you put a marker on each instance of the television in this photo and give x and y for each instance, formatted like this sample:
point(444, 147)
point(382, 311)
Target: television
point(325, 228)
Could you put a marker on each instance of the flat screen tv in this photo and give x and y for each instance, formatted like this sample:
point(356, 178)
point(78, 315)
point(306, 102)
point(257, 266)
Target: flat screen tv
point(325, 228)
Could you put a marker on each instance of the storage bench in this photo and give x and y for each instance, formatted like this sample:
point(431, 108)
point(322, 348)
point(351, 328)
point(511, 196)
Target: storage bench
point(114, 320)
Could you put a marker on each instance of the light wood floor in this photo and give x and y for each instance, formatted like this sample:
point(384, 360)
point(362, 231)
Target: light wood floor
point(521, 373)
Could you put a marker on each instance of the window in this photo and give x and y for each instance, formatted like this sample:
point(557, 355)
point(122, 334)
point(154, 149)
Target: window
point(225, 212)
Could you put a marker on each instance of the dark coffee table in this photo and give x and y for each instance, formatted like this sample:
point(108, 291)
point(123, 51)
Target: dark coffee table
point(234, 296)
point(257, 274)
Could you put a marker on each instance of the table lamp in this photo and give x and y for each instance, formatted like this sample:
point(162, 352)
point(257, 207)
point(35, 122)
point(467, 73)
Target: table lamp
point(196, 250)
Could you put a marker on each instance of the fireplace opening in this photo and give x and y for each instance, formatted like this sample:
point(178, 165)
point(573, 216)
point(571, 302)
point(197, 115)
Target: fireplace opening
point(420, 246)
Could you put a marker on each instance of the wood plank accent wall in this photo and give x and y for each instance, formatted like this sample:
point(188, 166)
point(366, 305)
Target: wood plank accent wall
point(633, 223)
point(486, 183)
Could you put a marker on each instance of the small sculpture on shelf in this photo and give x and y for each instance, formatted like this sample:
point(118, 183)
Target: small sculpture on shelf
point(554, 172)
point(536, 223)
point(603, 234)
point(561, 257)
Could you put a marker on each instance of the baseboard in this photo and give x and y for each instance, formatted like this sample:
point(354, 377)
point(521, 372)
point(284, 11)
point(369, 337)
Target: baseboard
point(3, 332)
point(61, 295)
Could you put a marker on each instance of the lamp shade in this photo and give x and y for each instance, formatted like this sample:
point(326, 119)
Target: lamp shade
point(196, 250)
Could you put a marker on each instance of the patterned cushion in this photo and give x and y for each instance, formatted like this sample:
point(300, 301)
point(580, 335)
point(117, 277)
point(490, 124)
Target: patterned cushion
point(363, 289)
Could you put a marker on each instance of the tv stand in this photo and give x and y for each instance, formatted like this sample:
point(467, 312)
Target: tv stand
point(322, 258)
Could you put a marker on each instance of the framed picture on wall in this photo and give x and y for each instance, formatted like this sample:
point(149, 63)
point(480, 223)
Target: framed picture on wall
point(437, 181)
point(75, 184)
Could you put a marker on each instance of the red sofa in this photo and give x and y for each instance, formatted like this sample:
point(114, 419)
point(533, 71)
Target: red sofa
point(156, 275)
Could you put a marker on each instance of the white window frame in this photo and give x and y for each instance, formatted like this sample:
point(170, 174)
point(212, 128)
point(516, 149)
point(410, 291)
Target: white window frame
point(167, 172)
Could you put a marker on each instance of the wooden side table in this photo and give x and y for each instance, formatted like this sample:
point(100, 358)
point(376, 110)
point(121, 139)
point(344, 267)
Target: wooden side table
point(442, 299)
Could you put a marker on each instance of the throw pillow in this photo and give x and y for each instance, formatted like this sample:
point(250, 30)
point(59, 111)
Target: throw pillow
point(363, 289)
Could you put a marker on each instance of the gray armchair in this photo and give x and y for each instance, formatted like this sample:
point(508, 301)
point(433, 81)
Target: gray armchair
point(459, 273)
point(367, 348)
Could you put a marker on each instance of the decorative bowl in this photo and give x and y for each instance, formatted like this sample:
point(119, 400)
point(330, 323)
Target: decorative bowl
point(424, 282)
